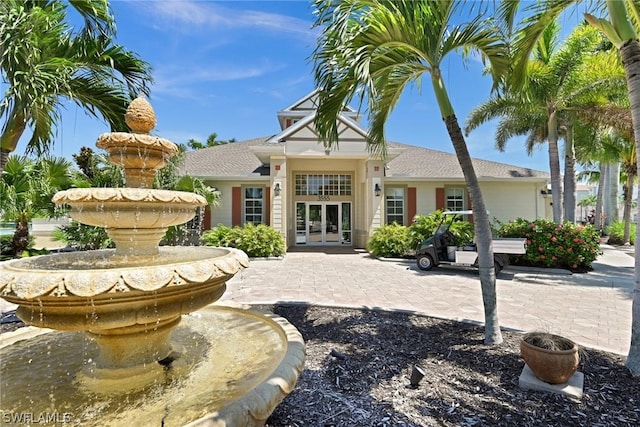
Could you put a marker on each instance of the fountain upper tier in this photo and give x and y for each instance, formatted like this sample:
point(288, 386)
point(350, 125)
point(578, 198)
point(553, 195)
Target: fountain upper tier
point(140, 154)
point(136, 219)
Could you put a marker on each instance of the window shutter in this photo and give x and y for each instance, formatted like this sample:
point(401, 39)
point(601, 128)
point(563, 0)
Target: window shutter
point(440, 204)
point(206, 221)
point(412, 208)
point(236, 206)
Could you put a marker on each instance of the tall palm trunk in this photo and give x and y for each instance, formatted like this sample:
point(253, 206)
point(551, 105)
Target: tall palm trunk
point(611, 205)
point(492, 333)
point(630, 52)
point(554, 166)
point(569, 191)
point(602, 185)
point(483, 234)
point(628, 203)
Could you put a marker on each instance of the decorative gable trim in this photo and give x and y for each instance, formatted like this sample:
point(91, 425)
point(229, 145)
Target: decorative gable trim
point(345, 126)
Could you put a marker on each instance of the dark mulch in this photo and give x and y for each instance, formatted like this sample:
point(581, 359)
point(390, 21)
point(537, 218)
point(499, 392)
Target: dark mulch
point(366, 380)
point(467, 383)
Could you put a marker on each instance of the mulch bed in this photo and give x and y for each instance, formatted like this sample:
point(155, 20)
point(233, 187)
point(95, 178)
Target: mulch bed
point(359, 363)
point(466, 384)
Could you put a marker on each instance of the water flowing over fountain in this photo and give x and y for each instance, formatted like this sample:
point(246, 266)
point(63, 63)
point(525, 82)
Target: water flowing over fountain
point(138, 359)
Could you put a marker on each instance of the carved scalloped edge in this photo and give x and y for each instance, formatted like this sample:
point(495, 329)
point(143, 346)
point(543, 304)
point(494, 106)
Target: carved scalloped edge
point(126, 194)
point(90, 283)
point(111, 140)
point(255, 407)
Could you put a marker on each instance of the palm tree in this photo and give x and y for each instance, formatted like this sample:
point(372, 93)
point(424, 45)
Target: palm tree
point(373, 49)
point(26, 188)
point(621, 32)
point(44, 61)
point(541, 108)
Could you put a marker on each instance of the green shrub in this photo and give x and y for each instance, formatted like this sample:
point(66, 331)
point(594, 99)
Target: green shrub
point(6, 247)
point(255, 240)
point(551, 245)
point(7, 250)
point(389, 241)
point(462, 232)
point(616, 233)
point(425, 225)
point(422, 227)
point(83, 237)
point(217, 236)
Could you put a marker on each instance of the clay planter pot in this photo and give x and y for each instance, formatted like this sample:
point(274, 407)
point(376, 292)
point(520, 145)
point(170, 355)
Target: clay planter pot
point(552, 358)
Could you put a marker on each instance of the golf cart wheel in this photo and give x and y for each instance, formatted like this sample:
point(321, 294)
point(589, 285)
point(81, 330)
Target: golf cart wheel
point(425, 262)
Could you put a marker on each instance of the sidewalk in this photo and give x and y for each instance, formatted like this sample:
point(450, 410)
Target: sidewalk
point(593, 309)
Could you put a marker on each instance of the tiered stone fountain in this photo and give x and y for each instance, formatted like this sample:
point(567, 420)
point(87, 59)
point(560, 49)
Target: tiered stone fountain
point(236, 365)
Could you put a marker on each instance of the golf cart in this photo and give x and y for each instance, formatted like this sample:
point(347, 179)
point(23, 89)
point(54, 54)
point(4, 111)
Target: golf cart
point(440, 248)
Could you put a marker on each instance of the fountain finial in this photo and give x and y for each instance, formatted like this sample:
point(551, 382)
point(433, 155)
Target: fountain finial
point(140, 116)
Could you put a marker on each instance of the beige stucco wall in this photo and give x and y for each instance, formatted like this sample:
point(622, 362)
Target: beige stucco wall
point(504, 200)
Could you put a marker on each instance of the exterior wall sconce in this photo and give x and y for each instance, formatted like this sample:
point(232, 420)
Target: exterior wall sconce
point(276, 189)
point(377, 190)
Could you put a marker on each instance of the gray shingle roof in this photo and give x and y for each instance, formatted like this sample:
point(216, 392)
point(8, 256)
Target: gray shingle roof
point(238, 160)
point(419, 162)
point(228, 160)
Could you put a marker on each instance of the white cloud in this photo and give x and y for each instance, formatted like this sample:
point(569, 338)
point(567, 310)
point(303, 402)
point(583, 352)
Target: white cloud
point(185, 15)
point(185, 81)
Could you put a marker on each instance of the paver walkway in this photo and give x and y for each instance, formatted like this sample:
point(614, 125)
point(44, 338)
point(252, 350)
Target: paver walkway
point(593, 309)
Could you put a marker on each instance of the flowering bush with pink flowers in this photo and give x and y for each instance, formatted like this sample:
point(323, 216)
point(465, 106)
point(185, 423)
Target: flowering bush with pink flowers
point(554, 245)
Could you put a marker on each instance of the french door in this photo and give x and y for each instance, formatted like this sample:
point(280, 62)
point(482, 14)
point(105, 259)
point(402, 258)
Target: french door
point(323, 223)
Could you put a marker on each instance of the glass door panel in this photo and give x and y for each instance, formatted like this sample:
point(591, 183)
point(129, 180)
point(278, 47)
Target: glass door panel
point(332, 224)
point(346, 223)
point(315, 223)
point(301, 223)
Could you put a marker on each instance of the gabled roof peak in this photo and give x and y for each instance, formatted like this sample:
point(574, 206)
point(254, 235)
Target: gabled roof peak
point(308, 105)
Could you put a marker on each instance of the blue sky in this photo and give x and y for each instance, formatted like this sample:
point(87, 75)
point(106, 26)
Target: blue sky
point(228, 67)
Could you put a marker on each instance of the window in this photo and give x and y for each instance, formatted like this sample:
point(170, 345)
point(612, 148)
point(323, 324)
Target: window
point(455, 199)
point(323, 185)
point(394, 199)
point(253, 205)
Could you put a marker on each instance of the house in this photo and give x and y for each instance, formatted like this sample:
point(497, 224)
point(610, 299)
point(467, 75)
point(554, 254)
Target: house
point(339, 196)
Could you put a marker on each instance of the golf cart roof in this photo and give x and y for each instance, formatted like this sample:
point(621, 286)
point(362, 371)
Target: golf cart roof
point(457, 213)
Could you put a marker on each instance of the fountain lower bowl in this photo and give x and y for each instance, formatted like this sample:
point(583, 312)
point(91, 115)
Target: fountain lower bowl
point(235, 367)
point(129, 305)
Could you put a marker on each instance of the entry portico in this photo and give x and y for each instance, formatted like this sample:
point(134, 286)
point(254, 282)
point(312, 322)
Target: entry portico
point(316, 195)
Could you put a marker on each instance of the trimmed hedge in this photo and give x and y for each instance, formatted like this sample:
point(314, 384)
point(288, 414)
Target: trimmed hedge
point(255, 240)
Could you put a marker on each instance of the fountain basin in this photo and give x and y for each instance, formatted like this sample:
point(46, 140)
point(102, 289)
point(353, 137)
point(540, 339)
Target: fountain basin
point(128, 304)
point(237, 365)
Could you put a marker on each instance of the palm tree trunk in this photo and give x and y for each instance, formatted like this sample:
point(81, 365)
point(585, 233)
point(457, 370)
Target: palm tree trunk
point(628, 203)
point(569, 177)
point(4, 156)
point(20, 240)
point(602, 187)
point(13, 130)
point(484, 240)
point(630, 52)
point(554, 166)
point(611, 207)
